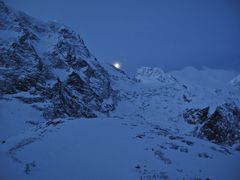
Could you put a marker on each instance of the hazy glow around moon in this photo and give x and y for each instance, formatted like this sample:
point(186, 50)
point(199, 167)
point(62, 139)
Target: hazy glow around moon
point(117, 65)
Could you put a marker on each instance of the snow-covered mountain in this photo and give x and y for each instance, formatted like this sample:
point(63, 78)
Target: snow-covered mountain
point(204, 77)
point(236, 81)
point(154, 75)
point(52, 65)
point(157, 125)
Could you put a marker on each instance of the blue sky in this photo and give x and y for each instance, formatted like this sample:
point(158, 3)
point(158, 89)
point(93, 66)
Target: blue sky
point(170, 34)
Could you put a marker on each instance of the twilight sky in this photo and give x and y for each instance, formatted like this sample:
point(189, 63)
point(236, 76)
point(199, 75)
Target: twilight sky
point(170, 34)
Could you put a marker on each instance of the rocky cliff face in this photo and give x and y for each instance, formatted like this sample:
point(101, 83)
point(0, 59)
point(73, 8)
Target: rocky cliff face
point(52, 66)
point(222, 126)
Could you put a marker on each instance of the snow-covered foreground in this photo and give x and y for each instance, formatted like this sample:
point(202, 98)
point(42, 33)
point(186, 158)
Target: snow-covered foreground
point(84, 149)
point(116, 147)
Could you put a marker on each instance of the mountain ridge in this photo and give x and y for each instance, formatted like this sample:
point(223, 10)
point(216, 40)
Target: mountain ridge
point(49, 57)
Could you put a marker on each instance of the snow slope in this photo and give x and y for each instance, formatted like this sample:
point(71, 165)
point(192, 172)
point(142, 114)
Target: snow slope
point(236, 81)
point(16, 117)
point(114, 148)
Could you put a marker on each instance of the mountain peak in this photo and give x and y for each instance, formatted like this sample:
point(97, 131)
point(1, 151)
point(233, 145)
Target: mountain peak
point(236, 81)
point(149, 74)
point(50, 60)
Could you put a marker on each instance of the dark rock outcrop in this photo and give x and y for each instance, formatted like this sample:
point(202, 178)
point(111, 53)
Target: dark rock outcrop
point(221, 127)
point(194, 116)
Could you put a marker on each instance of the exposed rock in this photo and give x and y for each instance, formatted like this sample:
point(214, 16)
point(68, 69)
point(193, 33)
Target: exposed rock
point(194, 116)
point(221, 127)
point(51, 62)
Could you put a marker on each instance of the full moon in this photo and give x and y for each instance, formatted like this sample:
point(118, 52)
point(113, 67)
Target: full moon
point(117, 65)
